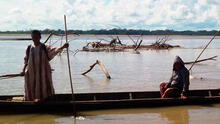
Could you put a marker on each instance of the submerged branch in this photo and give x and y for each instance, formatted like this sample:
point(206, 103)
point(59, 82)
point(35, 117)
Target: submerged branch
point(102, 68)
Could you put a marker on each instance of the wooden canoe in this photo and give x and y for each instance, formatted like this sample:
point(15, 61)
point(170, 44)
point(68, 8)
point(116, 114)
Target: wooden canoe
point(62, 103)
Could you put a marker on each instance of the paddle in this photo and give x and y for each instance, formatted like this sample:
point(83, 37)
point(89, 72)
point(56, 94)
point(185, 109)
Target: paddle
point(10, 76)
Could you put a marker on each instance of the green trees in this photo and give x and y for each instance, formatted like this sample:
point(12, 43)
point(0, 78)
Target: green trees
point(116, 31)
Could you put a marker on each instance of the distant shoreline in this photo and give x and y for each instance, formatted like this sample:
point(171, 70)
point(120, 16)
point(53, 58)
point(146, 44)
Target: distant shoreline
point(27, 37)
point(28, 34)
point(118, 32)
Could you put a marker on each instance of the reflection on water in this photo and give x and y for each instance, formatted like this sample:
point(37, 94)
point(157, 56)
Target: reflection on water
point(174, 115)
point(164, 115)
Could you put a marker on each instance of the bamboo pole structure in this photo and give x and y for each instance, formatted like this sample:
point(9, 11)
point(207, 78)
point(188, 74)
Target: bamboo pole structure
point(204, 48)
point(51, 34)
point(138, 45)
point(68, 59)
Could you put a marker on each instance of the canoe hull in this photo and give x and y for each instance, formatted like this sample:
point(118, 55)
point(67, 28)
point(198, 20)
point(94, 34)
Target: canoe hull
point(62, 103)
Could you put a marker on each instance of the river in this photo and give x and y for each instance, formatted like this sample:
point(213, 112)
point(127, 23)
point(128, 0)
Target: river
point(129, 72)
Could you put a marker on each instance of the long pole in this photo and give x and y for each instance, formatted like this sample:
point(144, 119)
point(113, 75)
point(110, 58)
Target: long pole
point(68, 59)
point(204, 49)
point(48, 37)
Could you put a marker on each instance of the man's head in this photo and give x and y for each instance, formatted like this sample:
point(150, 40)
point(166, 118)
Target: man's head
point(36, 35)
point(178, 63)
point(177, 66)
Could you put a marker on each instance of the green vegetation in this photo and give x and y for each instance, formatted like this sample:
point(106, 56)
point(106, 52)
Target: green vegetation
point(121, 32)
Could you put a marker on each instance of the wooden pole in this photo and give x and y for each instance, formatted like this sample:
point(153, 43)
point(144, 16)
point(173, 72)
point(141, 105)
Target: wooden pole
point(204, 49)
point(11, 75)
point(104, 70)
point(91, 67)
point(138, 45)
point(51, 34)
point(202, 60)
point(68, 59)
point(7, 76)
point(15, 39)
point(48, 37)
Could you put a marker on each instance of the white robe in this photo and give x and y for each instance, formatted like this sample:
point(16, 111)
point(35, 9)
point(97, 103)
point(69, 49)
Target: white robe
point(38, 75)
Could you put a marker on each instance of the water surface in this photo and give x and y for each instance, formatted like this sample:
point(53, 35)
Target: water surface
point(129, 72)
point(165, 115)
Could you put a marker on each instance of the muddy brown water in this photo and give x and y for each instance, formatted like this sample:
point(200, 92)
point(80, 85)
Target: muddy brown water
point(129, 72)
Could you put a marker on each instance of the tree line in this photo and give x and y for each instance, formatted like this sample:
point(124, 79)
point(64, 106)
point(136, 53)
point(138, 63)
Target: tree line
point(116, 31)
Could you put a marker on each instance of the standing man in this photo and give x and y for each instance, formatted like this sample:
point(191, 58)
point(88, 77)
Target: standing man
point(37, 69)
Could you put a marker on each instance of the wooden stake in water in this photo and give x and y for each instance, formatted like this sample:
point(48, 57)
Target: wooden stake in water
point(68, 59)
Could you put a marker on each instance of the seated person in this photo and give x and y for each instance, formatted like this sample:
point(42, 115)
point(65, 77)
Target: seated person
point(179, 81)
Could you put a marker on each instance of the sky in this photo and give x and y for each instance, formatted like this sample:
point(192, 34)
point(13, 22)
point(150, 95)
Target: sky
point(107, 14)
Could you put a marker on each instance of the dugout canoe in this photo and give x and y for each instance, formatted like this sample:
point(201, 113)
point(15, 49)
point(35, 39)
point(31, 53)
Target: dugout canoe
point(63, 103)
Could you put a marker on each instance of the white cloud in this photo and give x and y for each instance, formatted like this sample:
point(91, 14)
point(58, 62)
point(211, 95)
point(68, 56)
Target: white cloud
point(96, 14)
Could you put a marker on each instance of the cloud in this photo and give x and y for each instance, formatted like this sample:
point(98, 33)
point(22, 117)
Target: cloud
point(98, 14)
